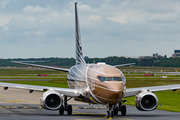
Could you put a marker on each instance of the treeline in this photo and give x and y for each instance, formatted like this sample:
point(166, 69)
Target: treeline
point(114, 60)
point(67, 61)
point(43, 61)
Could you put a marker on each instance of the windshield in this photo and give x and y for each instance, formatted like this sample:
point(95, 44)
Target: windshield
point(102, 79)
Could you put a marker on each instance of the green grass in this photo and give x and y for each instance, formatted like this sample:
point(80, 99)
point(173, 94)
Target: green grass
point(29, 71)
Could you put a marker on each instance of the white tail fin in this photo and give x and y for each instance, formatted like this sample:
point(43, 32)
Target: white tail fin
point(79, 53)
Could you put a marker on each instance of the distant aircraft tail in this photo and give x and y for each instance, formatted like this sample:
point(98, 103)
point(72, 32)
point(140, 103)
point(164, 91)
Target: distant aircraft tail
point(79, 53)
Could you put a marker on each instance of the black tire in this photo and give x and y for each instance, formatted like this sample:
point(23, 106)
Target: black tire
point(120, 106)
point(116, 111)
point(123, 110)
point(61, 110)
point(107, 115)
point(69, 109)
point(112, 114)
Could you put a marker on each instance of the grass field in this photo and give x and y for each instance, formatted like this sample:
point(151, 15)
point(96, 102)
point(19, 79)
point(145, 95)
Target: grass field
point(168, 100)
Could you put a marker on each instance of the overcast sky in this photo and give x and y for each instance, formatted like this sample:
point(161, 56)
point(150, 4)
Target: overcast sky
point(44, 28)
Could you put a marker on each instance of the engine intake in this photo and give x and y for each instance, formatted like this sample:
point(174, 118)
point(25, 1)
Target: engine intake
point(51, 100)
point(146, 101)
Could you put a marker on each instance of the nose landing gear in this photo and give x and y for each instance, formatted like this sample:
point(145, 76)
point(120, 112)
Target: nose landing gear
point(110, 112)
point(113, 109)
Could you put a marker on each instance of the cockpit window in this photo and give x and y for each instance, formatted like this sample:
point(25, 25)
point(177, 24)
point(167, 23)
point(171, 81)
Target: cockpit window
point(102, 79)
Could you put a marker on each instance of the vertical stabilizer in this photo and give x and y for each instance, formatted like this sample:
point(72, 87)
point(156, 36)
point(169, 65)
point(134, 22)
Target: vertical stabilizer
point(79, 53)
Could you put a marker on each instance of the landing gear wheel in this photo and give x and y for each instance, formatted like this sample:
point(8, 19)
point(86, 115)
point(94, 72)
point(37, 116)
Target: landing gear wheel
point(61, 110)
point(123, 110)
point(116, 111)
point(69, 109)
point(107, 114)
point(112, 114)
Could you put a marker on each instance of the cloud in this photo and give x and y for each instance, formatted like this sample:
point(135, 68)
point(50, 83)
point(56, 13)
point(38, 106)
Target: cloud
point(94, 17)
point(114, 27)
point(36, 10)
point(3, 3)
point(39, 32)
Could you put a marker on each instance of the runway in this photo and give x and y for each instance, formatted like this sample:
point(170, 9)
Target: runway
point(18, 104)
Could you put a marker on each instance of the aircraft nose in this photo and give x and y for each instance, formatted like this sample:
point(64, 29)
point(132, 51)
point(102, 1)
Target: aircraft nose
point(113, 85)
point(114, 91)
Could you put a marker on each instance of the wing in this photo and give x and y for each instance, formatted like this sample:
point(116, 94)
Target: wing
point(124, 64)
point(134, 91)
point(43, 66)
point(65, 91)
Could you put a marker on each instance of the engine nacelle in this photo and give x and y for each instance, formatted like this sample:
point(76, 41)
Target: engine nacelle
point(51, 100)
point(146, 101)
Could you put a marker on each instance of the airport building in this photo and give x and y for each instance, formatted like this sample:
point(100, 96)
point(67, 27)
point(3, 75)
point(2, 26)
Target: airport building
point(149, 57)
point(176, 53)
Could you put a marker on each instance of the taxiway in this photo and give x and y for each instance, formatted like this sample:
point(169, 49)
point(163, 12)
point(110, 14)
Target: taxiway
point(18, 104)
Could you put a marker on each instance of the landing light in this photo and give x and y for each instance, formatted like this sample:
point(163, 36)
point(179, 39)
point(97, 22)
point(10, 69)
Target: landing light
point(87, 89)
point(76, 92)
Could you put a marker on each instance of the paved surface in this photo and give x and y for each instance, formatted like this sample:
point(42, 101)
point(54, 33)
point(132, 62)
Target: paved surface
point(25, 79)
point(20, 105)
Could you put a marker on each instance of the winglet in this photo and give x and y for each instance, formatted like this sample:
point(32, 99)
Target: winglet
point(79, 53)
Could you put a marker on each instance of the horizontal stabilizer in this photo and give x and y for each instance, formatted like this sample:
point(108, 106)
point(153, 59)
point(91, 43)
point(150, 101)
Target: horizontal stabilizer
point(124, 64)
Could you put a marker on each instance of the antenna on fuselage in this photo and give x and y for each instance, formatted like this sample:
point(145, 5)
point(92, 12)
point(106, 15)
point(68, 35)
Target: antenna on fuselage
point(79, 53)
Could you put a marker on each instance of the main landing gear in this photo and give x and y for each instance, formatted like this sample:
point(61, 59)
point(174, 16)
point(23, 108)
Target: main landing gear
point(113, 109)
point(122, 108)
point(65, 107)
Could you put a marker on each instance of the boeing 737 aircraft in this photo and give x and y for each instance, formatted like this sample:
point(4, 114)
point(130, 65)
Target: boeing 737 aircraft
point(93, 83)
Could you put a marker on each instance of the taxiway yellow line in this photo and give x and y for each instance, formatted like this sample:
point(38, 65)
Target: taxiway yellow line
point(2, 107)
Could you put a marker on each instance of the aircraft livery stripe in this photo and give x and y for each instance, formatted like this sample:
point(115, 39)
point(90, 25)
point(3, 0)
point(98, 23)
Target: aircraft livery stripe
point(79, 53)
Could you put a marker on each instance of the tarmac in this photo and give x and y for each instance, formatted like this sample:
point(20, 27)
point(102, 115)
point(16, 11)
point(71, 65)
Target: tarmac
point(18, 104)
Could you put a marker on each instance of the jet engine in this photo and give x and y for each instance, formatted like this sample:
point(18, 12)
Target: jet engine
point(51, 100)
point(146, 101)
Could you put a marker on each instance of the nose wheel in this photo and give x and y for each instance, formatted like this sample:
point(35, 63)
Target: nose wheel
point(110, 112)
point(113, 109)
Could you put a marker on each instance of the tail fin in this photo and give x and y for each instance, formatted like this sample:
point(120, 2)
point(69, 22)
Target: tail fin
point(79, 53)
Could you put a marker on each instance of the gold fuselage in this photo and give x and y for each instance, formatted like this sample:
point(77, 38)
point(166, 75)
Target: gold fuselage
point(85, 78)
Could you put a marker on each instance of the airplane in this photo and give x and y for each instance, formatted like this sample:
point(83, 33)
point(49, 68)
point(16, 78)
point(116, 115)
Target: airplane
point(94, 84)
